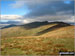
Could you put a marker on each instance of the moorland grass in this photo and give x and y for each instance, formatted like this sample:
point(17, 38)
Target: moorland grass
point(20, 41)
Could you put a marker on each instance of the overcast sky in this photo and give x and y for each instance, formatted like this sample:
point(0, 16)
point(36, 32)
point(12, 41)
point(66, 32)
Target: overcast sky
point(38, 10)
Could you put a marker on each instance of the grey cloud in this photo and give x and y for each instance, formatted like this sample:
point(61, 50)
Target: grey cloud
point(45, 7)
point(49, 8)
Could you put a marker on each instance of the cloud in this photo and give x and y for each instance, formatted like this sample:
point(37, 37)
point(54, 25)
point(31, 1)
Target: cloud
point(10, 17)
point(49, 10)
point(13, 18)
point(64, 18)
point(45, 7)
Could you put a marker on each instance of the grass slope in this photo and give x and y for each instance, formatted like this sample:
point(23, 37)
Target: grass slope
point(62, 32)
point(20, 31)
point(25, 42)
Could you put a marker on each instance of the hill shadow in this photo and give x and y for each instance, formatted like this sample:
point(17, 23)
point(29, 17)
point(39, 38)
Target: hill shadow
point(34, 25)
point(59, 25)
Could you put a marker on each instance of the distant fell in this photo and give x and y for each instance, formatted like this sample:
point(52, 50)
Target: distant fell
point(8, 26)
point(38, 24)
point(34, 24)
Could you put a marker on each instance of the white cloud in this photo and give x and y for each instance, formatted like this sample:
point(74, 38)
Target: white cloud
point(10, 17)
point(14, 18)
point(25, 21)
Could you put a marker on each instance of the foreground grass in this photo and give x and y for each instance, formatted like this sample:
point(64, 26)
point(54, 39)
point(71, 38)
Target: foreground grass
point(36, 45)
point(20, 41)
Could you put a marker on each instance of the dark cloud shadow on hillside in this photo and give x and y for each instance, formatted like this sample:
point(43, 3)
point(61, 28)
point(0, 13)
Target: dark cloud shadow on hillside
point(55, 27)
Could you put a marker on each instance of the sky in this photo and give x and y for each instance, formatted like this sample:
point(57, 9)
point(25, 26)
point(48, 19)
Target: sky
point(7, 9)
point(37, 10)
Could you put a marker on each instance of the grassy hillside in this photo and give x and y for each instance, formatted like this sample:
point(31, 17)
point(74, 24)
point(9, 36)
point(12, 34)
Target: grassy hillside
point(20, 31)
point(31, 42)
point(62, 32)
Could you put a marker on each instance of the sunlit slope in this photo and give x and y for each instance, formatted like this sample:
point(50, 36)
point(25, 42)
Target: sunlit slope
point(18, 31)
point(61, 32)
